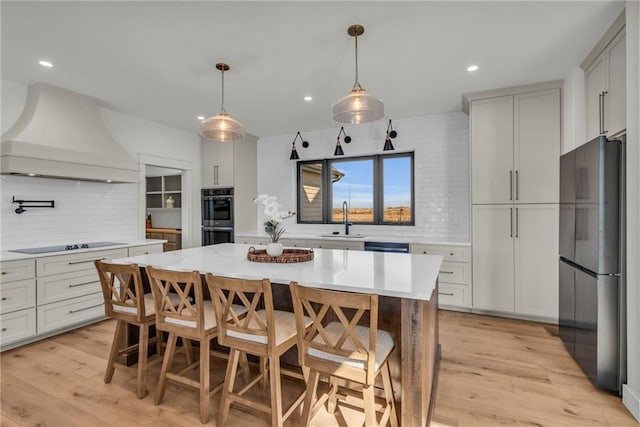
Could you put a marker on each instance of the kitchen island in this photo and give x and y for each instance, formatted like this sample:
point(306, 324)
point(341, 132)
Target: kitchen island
point(406, 284)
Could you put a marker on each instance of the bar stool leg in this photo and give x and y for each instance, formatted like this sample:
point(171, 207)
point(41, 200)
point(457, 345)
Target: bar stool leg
point(369, 406)
point(388, 393)
point(204, 380)
point(159, 342)
point(143, 349)
point(265, 373)
point(310, 397)
point(115, 349)
point(333, 399)
point(229, 381)
point(276, 391)
point(166, 363)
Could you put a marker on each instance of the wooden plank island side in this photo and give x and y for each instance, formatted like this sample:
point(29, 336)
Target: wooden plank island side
point(411, 319)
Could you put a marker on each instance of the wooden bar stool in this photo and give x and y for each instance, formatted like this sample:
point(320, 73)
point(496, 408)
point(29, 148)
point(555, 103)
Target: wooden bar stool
point(125, 301)
point(266, 333)
point(343, 349)
point(190, 319)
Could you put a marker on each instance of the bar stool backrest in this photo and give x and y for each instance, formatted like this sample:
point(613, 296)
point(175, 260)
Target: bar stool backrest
point(122, 288)
point(186, 317)
point(341, 311)
point(252, 294)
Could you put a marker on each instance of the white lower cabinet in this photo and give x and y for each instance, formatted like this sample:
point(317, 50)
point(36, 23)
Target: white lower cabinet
point(454, 279)
point(515, 259)
point(17, 295)
point(337, 244)
point(146, 249)
point(252, 240)
point(294, 243)
point(69, 312)
point(17, 326)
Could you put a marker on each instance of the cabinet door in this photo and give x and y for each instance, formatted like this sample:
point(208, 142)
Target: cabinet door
point(492, 259)
point(615, 100)
point(208, 161)
point(224, 162)
point(595, 83)
point(537, 146)
point(536, 260)
point(492, 150)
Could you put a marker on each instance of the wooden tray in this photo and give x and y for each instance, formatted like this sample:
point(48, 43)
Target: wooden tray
point(288, 255)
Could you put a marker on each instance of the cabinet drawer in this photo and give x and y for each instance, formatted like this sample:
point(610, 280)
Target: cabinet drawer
point(324, 244)
point(455, 272)
point(17, 295)
point(449, 253)
point(454, 295)
point(70, 312)
point(68, 285)
point(294, 243)
point(76, 262)
point(18, 325)
point(145, 250)
point(17, 270)
point(252, 240)
point(170, 237)
point(159, 236)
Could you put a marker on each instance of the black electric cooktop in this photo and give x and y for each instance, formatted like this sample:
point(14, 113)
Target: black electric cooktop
point(62, 248)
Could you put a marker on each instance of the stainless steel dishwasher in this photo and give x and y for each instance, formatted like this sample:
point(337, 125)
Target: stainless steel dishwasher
point(401, 248)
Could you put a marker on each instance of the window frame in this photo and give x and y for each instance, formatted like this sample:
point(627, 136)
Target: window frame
point(378, 188)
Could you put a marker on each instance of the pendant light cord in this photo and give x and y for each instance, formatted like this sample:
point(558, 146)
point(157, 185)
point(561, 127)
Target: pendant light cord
point(222, 106)
point(357, 83)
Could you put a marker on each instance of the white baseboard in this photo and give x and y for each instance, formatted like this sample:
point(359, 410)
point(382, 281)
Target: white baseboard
point(631, 400)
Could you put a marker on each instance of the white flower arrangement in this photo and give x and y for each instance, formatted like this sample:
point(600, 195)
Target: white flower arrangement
point(273, 216)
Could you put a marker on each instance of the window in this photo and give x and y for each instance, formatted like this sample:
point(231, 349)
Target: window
point(376, 189)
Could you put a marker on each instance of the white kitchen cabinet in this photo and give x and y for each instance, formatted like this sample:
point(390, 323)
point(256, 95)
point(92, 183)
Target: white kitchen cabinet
point(337, 244)
point(515, 259)
point(515, 147)
point(217, 163)
point(605, 90)
point(493, 258)
point(17, 326)
point(252, 240)
point(454, 279)
point(294, 243)
point(17, 300)
point(17, 295)
point(156, 248)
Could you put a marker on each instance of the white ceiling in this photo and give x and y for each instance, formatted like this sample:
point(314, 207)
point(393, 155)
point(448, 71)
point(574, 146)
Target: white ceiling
point(155, 60)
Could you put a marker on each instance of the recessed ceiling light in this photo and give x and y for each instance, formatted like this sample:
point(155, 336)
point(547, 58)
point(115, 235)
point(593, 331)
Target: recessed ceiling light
point(472, 68)
point(308, 98)
point(200, 118)
point(109, 180)
point(46, 64)
point(31, 174)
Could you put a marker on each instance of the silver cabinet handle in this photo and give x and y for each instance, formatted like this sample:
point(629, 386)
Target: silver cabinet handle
point(4, 272)
point(600, 112)
point(517, 185)
point(215, 175)
point(446, 272)
point(604, 124)
point(85, 308)
point(4, 329)
point(80, 284)
point(450, 294)
point(511, 221)
point(4, 298)
point(517, 227)
point(86, 261)
point(510, 185)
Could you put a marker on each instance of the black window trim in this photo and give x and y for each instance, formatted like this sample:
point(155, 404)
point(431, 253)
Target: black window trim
point(378, 188)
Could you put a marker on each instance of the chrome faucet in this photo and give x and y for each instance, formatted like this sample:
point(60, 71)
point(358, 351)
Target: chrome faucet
point(345, 217)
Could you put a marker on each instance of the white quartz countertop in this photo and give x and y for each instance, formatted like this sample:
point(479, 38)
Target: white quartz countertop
point(359, 238)
point(389, 274)
point(11, 256)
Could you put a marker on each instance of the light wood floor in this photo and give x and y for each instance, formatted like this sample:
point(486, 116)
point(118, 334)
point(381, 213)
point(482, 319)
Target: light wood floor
point(493, 372)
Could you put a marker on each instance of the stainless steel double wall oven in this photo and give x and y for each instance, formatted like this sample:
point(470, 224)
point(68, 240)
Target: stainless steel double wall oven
point(217, 216)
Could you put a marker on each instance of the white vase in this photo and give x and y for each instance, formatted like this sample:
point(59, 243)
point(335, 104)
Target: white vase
point(275, 249)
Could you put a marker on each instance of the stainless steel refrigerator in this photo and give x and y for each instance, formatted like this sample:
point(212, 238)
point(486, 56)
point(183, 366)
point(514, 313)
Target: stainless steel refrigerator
point(592, 287)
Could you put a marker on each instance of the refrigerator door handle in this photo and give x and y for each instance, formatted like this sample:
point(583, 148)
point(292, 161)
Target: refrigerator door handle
point(517, 185)
point(600, 112)
point(604, 124)
point(517, 225)
point(511, 221)
point(510, 185)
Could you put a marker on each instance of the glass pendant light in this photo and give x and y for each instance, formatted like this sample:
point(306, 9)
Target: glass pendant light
point(222, 127)
point(358, 106)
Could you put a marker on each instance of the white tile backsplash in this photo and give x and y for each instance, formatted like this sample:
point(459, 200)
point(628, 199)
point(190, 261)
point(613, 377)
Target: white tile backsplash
point(441, 161)
point(83, 212)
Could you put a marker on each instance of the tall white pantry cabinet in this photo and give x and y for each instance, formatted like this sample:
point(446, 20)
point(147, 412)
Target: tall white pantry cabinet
point(515, 151)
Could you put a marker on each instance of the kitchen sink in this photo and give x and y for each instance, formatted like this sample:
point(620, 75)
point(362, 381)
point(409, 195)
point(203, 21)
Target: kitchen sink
point(344, 236)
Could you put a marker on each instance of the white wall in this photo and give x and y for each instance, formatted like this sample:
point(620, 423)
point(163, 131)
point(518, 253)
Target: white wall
point(441, 146)
point(136, 136)
point(631, 391)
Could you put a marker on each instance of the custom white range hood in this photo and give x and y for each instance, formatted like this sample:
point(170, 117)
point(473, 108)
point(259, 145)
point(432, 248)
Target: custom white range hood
point(60, 135)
